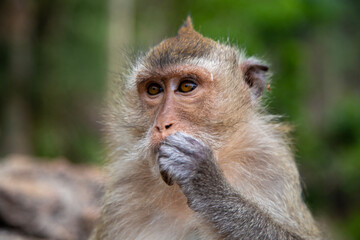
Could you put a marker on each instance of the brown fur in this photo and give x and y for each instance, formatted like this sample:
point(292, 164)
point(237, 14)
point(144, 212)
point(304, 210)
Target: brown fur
point(250, 146)
point(186, 44)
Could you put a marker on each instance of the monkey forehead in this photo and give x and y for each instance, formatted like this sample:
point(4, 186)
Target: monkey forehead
point(221, 60)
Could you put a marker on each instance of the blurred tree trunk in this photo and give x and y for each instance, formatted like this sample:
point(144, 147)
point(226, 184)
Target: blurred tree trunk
point(328, 81)
point(19, 22)
point(121, 32)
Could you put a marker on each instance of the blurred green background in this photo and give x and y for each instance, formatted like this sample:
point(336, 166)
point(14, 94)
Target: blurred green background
point(56, 57)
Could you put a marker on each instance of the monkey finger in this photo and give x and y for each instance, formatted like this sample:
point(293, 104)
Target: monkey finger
point(167, 150)
point(180, 138)
point(182, 143)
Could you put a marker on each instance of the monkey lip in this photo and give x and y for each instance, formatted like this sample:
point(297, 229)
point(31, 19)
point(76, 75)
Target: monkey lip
point(156, 143)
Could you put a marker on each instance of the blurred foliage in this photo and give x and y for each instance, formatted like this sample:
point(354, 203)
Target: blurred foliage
point(68, 50)
point(314, 51)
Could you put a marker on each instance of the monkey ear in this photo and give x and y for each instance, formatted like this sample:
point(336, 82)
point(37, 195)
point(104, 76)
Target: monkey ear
point(255, 76)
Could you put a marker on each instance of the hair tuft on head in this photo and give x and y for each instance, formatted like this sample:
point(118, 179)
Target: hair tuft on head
point(187, 26)
point(185, 45)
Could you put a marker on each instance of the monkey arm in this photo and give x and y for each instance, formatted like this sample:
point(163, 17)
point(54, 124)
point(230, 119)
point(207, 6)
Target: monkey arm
point(192, 165)
point(230, 214)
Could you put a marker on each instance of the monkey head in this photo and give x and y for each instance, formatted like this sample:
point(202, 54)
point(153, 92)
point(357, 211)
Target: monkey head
point(189, 83)
point(192, 84)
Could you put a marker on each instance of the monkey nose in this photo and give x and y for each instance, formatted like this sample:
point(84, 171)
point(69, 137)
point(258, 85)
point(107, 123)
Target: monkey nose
point(162, 131)
point(164, 127)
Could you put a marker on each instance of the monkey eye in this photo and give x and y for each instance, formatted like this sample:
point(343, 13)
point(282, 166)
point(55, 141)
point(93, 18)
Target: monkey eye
point(154, 89)
point(187, 86)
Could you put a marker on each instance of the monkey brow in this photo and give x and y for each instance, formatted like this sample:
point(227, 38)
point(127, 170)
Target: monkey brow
point(142, 80)
point(163, 75)
point(148, 75)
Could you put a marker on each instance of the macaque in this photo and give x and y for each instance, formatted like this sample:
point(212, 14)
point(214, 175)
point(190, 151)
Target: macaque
point(192, 153)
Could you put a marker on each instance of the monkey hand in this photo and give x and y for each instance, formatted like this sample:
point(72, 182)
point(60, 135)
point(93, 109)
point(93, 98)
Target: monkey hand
point(190, 163)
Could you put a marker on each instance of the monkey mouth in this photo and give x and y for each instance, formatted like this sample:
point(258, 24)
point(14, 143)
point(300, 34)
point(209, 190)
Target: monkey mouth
point(157, 140)
point(166, 178)
point(155, 147)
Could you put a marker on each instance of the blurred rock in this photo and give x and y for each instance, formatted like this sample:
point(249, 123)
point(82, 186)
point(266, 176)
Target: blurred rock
point(8, 235)
point(48, 199)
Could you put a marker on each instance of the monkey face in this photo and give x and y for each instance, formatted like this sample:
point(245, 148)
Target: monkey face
point(175, 99)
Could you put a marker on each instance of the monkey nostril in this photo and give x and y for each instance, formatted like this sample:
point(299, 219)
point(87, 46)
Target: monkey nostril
point(161, 129)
